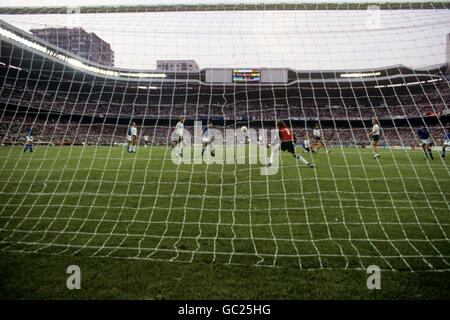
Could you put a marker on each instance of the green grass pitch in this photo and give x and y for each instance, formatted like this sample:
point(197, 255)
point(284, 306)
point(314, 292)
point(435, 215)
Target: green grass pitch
point(140, 226)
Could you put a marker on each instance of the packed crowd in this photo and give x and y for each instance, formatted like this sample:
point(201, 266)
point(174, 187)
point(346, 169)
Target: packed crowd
point(435, 102)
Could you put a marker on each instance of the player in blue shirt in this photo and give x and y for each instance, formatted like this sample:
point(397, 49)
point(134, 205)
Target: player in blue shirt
point(29, 140)
point(446, 142)
point(207, 139)
point(424, 136)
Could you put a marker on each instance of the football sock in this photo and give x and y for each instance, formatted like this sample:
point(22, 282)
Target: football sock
point(299, 157)
point(272, 154)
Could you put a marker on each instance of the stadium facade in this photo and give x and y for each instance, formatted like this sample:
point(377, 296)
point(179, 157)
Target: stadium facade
point(50, 61)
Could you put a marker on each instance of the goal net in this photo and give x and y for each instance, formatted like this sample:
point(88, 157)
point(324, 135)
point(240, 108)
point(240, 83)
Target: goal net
point(96, 159)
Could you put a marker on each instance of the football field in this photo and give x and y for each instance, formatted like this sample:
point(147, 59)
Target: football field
point(144, 211)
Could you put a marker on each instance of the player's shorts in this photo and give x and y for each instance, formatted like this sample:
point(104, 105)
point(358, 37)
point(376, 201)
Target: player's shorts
point(206, 140)
point(317, 138)
point(287, 146)
point(447, 143)
point(129, 138)
point(179, 138)
point(175, 137)
point(376, 138)
point(425, 141)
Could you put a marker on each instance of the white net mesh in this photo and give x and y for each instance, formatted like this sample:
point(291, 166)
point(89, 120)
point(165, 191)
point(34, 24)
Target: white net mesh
point(81, 192)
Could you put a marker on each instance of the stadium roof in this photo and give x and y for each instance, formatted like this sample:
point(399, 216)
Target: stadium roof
point(167, 6)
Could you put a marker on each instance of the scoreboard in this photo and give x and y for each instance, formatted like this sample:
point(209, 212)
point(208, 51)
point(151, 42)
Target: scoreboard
point(246, 75)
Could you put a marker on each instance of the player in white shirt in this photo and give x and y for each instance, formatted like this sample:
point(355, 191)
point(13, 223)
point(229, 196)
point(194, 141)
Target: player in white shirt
point(375, 135)
point(134, 140)
point(306, 144)
point(178, 137)
point(146, 141)
point(318, 138)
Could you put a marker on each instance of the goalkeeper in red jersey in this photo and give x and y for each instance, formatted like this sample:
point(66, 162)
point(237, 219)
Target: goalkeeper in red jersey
point(286, 143)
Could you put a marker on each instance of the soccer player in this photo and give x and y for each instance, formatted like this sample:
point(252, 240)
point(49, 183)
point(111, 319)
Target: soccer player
point(375, 135)
point(134, 141)
point(129, 139)
point(179, 131)
point(286, 143)
point(29, 140)
point(306, 144)
point(446, 142)
point(424, 136)
point(207, 139)
point(318, 137)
